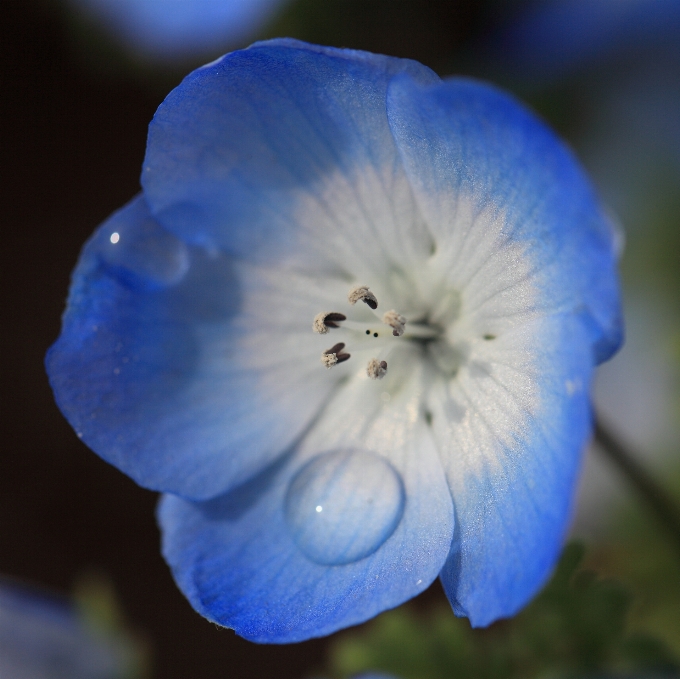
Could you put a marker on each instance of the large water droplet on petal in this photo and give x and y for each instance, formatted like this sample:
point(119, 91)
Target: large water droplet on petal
point(143, 253)
point(343, 505)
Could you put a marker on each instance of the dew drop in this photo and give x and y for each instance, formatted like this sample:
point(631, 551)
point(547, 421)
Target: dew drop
point(144, 253)
point(343, 505)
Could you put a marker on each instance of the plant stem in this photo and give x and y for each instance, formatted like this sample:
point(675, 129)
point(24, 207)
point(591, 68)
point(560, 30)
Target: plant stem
point(658, 500)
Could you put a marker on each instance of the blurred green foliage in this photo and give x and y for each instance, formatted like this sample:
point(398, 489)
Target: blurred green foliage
point(639, 552)
point(578, 626)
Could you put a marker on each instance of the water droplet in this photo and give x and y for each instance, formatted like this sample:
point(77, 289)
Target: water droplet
point(144, 253)
point(343, 505)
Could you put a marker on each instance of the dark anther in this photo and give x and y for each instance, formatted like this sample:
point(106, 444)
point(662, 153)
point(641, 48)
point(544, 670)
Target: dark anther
point(375, 334)
point(341, 357)
point(368, 332)
point(336, 349)
point(383, 365)
point(331, 319)
point(371, 303)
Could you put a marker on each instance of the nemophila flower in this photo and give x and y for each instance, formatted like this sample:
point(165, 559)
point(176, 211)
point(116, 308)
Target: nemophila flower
point(349, 327)
point(174, 29)
point(44, 638)
point(554, 38)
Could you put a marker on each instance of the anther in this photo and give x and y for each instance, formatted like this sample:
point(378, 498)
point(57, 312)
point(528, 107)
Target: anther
point(326, 320)
point(376, 369)
point(396, 321)
point(361, 292)
point(333, 355)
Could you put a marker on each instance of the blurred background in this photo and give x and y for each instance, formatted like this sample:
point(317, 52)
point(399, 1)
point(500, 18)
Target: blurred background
point(81, 79)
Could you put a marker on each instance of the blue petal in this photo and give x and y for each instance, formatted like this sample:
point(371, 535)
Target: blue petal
point(512, 424)
point(245, 145)
point(463, 138)
point(150, 368)
point(243, 564)
point(512, 461)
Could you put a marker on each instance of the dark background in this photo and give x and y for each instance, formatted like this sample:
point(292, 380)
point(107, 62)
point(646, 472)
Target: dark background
point(74, 113)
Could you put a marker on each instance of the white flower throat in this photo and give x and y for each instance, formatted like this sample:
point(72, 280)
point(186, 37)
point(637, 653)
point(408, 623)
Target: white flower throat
point(435, 345)
point(380, 335)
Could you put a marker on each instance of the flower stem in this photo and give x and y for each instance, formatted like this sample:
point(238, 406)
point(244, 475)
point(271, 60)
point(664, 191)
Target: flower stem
point(658, 500)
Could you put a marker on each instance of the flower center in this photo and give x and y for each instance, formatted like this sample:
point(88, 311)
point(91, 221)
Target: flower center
point(380, 333)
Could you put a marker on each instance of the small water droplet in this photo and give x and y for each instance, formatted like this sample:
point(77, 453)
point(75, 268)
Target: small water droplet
point(144, 253)
point(343, 505)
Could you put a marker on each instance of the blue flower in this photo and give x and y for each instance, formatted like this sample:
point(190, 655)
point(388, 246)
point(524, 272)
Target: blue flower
point(175, 29)
point(553, 38)
point(43, 638)
point(349, 327)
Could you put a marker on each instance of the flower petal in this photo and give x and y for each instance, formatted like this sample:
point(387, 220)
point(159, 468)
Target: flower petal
point(163, 369)
point(510, 429)
point(245, 561)
point(469, 149)
point(532, 257)
point(282, 152)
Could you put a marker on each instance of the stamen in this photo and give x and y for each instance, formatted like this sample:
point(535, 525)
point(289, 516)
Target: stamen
point(396, 321)
point(329, 360)
point(326, 320)
point(376, 369)
point(335, 349)
point(333, 318)
point(361, 292)
point(333, 355)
